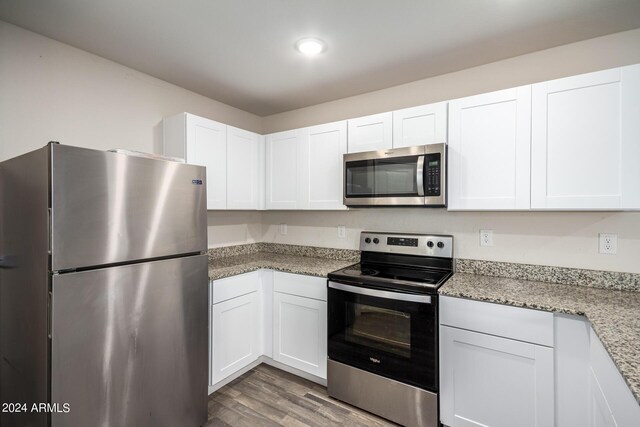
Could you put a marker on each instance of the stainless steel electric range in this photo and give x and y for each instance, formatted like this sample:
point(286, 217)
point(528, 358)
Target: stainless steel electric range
point(383, 326)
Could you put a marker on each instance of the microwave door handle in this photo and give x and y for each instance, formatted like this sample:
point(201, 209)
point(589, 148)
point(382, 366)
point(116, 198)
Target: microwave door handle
point(420, 175)
point(424, 299)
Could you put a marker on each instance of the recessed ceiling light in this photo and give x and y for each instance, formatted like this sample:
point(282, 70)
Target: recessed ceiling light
point(310, 47)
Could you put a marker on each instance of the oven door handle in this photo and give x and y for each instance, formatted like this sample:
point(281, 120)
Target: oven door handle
point(420, 175)
point(398, 296)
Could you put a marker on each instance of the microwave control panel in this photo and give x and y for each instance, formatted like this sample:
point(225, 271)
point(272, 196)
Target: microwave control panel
point(433, 165)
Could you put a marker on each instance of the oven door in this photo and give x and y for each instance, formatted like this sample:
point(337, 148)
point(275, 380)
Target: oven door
point(392, 177)
point(389, 333)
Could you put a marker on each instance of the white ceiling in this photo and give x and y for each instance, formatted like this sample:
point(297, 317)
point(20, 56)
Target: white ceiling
point(241, 52)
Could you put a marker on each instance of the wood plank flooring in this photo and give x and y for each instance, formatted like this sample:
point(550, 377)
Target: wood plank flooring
point(267, 396)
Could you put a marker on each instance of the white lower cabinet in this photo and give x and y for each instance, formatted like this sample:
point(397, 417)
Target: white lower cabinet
point(236, 338)
point(496, 365)
point(234, 316)
point(509, 366)
point(267, 316)
point(300, 322)
point(492, 381)
point(300, 333)
point(612, 403)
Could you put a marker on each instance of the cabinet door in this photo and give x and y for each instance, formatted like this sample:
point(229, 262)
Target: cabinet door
point(489, 151)
point(300, 333)
point(611, 396)
point(321, 172)
point(491, 381)
point(586, 141)
point(283, 157)
point(370, 133)
point(243, 150)
point(207, 146)
point(426, 124)
point(600, 414)
point(236, 339)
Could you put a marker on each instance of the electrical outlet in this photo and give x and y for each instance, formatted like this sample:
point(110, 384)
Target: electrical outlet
point(486, 237)
point(608, 243)
point(283, 229)
point(341, 232)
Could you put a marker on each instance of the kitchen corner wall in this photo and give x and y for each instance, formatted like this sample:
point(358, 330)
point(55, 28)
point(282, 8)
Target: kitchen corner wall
point(52, 91)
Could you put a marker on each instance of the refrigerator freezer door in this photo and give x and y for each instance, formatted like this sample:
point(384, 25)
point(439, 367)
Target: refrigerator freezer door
point(129, 345)
point(111, 208)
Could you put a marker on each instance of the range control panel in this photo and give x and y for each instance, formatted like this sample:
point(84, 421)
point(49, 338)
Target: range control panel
point(436, 245)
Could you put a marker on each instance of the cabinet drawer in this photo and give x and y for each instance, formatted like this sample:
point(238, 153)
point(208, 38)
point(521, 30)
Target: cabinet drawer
point(495, 319)
point(235, 286)
point(301, 285)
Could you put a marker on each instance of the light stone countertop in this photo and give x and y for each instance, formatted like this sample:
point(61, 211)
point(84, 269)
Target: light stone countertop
point(313, 266)
point(614, 314)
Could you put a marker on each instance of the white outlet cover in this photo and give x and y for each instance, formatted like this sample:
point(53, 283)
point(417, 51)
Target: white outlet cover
point(341, 231)
point(486, 237)
point(608, 243)
point(283, 229)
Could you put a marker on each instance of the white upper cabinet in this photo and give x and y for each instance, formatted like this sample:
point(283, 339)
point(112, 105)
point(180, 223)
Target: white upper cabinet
point(321, 171)
point(426, 124)
point(245, 172)
point(489, 151)
point(283, 154)
point(370, 133)
point(586, 141)
point(203, 142)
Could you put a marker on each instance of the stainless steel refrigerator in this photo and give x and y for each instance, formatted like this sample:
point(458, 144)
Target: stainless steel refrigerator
point(103, 290)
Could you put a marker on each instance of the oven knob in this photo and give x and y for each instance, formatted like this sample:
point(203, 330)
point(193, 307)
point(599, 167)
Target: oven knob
point(440, 245)
point(367, 240)
point(430, 243)
point(376, 241)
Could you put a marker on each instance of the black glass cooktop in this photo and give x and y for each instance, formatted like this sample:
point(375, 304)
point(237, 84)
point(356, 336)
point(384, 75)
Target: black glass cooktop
point(413, 279)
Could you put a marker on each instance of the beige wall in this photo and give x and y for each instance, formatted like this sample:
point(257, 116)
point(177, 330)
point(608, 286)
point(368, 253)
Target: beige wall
point(234, 227)
point(581, 57)
point(52, 91)
point(548, 238)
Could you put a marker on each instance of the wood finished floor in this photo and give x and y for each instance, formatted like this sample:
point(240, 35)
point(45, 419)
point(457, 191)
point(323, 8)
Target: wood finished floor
point(267, 396)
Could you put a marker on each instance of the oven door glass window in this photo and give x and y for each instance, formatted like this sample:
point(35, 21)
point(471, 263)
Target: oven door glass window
point(392, 338)
point(380, 328)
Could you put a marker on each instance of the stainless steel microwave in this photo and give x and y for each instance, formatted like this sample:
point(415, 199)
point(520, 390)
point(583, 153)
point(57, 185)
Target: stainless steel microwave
point(412, 176)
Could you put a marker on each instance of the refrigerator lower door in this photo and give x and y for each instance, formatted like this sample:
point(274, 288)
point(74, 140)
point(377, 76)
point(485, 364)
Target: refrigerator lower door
point(109, 208)
point(129, 345)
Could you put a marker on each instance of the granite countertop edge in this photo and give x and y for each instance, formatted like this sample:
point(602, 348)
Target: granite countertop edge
point(311, 266)
point(579, 306)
